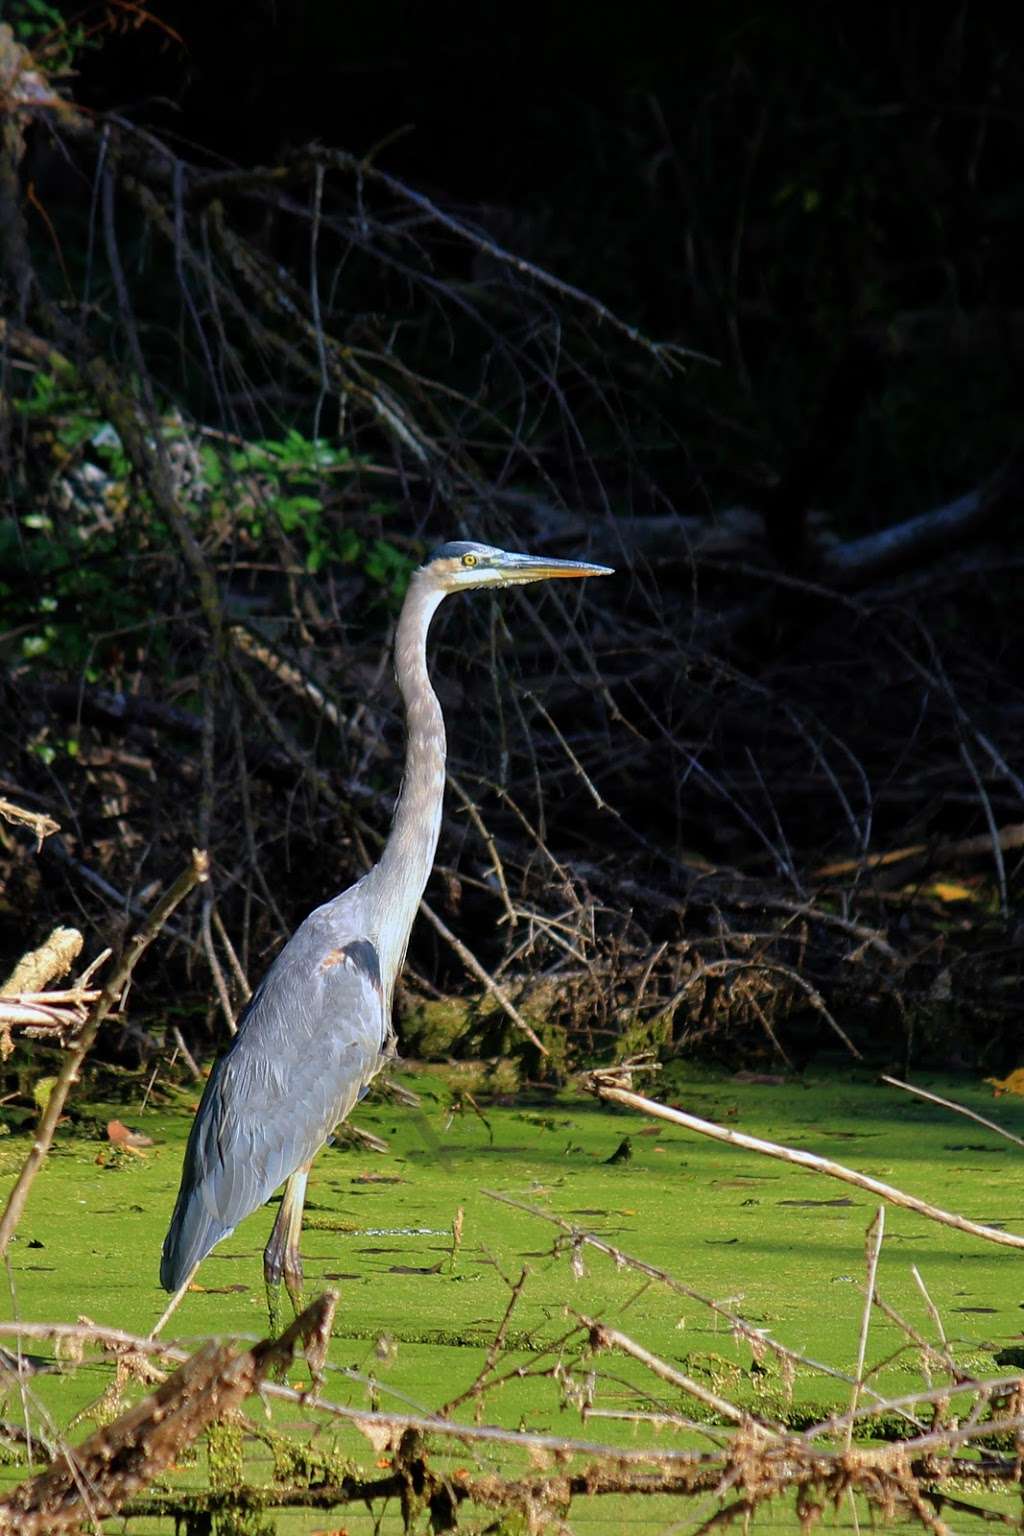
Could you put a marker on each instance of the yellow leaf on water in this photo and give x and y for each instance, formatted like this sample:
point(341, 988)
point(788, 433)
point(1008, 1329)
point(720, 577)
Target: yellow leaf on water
point(1012, 1084)
point(949, 890)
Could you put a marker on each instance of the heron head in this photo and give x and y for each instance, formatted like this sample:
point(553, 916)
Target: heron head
point(456, 566)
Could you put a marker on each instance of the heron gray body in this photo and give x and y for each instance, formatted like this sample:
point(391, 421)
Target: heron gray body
point(318, 1028)
point(267, 1111)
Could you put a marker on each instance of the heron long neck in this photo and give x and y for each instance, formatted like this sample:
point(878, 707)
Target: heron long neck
point(408, 856)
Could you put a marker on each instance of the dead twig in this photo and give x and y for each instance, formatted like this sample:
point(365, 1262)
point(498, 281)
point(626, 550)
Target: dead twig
point(42, 825)
point(196, 872)
point(24, 1003)
point(936, 1317)
point(215, 185)
point(873, 1249)
point(604, 1337)
point(768, 967)
point(349, 1134)
point(473, 965)
point(957, 1109)
point(123, 902)
point(860, 561)
point(1010, 838)
point(759, 1339)
point(96, 1477)
point(497, 1343)
point(377, 1425)
point(807, 1160)
point(36, 969)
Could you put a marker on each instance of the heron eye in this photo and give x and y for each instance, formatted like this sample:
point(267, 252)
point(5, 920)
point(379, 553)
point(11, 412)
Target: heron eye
point(469, 561)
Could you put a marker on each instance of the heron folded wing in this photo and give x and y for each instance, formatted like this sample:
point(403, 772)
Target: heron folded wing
point(308, 1044)
point(286, 1082)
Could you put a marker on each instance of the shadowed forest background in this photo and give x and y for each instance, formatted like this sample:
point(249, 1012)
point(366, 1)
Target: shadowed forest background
point(729, 300)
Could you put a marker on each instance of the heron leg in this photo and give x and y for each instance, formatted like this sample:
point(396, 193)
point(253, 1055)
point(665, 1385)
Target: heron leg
point(281, 1257)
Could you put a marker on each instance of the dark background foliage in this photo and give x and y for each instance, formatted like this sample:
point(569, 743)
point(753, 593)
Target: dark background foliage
point(770, 185)
point(824, 206)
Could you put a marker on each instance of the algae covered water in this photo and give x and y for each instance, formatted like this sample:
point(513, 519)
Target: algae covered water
point(472, 1259)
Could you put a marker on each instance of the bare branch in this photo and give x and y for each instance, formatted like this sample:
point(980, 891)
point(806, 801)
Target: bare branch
point(957, 1109)
point(801, 1160)
point(604, 1337)
point(96, 1477)
point(42, 825)
point(194, 874)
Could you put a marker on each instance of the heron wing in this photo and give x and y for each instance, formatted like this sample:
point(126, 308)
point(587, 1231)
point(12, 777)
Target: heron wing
point(309, 1042)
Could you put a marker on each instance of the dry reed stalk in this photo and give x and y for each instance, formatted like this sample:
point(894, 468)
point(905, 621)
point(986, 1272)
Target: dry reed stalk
point(873, 1251)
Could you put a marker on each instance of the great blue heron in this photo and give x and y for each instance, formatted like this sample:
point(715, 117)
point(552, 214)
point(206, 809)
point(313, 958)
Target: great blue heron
point(318, 1028)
